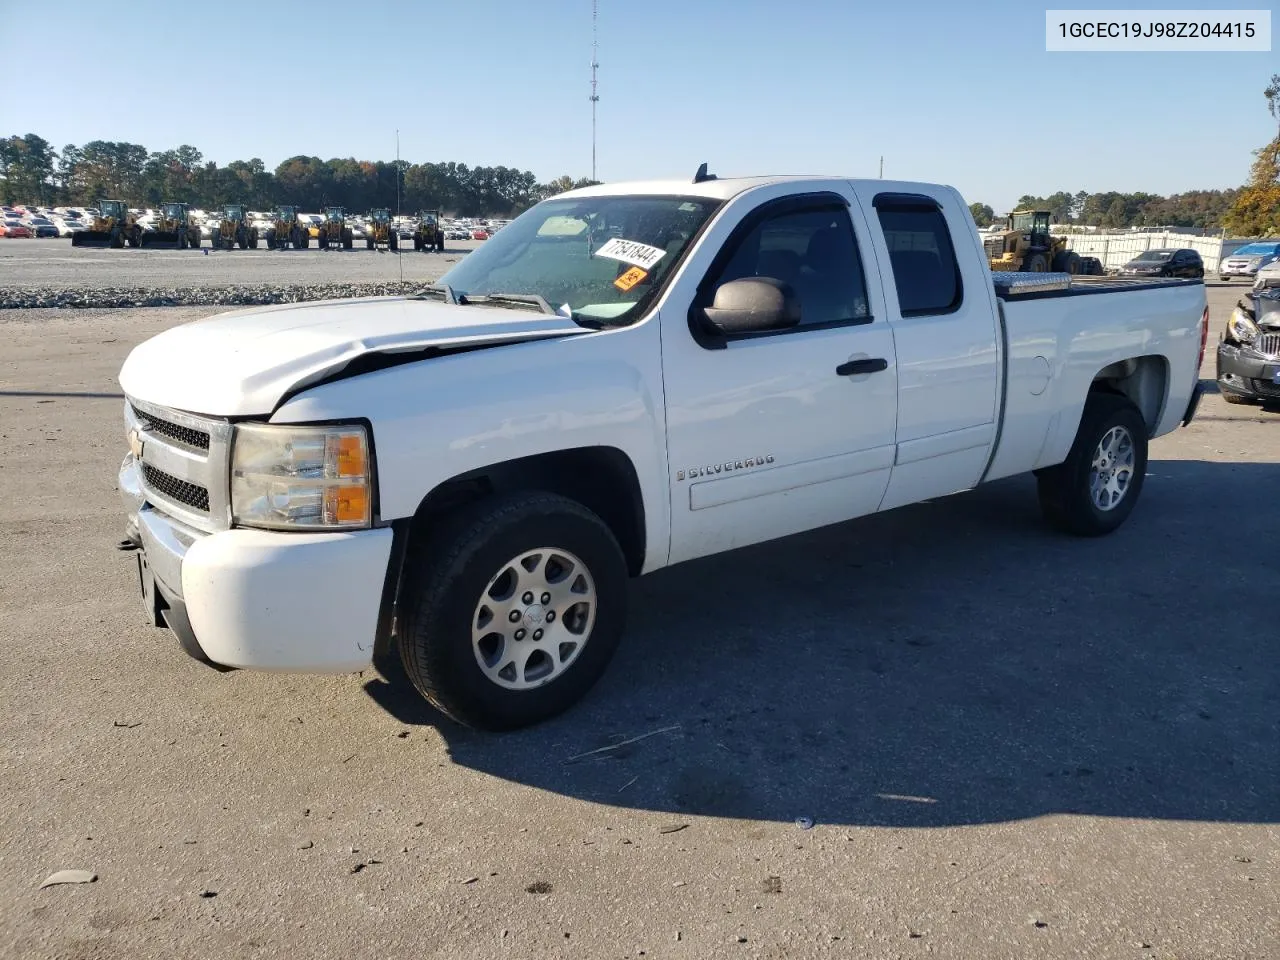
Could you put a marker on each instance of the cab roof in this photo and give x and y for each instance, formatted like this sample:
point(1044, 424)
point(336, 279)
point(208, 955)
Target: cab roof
point(724, 188)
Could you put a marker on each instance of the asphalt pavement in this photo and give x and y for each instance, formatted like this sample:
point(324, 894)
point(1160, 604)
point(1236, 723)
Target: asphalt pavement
point(943, 731)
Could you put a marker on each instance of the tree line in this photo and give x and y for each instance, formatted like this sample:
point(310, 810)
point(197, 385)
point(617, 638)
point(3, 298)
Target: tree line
point(33, 172)
point(1195, 208)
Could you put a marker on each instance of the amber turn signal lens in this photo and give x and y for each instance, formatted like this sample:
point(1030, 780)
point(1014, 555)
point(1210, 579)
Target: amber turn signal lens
point(347, 504)
point(351, 455)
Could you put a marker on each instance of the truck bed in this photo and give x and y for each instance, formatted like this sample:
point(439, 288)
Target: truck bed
point(1038, 286)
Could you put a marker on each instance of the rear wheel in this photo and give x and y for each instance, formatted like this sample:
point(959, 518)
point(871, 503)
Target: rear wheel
point(253, 240)
point(393, 243)
point(1036, 263)
point(1094, 490)
point(516, 608)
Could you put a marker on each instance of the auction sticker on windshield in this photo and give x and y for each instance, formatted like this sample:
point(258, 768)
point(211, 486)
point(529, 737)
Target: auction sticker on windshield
point(632, 252)
point(630, 279)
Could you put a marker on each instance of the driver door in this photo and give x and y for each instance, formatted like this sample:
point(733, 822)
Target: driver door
point(771, 433)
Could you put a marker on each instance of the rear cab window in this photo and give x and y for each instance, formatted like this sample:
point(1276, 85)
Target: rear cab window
point(922, 257)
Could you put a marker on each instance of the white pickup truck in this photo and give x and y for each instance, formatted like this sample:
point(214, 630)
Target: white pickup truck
point(626, 377)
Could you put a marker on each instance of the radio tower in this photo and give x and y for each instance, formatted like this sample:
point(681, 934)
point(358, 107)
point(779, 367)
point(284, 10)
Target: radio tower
point(595, 98)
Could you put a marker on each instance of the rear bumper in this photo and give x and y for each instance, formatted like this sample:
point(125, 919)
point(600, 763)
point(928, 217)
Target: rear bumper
point(1242, 372)
point(1193, 404)
point(263, 600)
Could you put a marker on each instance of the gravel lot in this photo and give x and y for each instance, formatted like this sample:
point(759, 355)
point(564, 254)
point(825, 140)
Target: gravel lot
point(1011, 744)
point(53, 273)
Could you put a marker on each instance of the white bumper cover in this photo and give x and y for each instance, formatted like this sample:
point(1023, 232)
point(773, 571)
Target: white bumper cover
point(304, 602)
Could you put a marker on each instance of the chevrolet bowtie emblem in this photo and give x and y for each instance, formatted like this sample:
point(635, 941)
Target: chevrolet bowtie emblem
point(135, 444)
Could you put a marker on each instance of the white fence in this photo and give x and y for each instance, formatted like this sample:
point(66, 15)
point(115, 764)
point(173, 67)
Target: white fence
point(1117, 249)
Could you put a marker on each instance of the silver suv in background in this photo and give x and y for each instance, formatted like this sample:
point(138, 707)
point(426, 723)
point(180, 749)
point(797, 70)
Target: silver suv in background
point(1249, 259)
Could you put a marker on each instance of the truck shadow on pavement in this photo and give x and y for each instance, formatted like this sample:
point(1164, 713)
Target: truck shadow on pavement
point(950, 663)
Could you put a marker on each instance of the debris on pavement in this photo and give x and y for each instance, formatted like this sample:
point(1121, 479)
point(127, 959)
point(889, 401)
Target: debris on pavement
point(69, 876)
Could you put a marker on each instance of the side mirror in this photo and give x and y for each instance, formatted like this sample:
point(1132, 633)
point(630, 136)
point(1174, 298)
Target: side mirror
point(753, 304)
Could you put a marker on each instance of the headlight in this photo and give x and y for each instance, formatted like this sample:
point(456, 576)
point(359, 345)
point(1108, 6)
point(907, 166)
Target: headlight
point(1240, 328)
point(286, 478)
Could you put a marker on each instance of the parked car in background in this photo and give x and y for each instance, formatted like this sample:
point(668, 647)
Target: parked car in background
point(15, 229)
point(68, 227)
point(1249, 259)
point(311, 221)
point(479, 234)
point(1249, 351)
point(42, 227)
point(1165, 262)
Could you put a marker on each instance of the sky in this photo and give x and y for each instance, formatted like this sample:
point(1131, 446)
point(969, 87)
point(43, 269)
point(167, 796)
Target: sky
point(954, 92)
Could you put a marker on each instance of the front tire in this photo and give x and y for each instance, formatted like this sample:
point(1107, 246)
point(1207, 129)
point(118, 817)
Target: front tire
point(1095, 489)
point(514, 610)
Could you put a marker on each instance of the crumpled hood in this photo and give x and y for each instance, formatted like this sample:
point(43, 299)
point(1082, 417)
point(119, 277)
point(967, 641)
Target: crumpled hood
point(244, 362)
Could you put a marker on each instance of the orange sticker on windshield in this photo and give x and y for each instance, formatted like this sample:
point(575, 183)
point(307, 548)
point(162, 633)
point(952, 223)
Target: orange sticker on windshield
point(630, 278)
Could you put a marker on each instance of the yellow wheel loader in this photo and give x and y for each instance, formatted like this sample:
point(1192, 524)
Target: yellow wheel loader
point(334, 231)
point(113, 226)
point(382, 232)
point(233, 230)
point(1025, 246)
point(285, 230)
point(429, 234)
point(173, 230)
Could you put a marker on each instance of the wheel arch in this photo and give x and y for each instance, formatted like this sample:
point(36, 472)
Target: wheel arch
point(601, 478)
point(1144, 380)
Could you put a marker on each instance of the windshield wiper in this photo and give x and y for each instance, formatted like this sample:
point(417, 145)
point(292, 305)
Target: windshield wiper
point(441, 288)
point(532, 299)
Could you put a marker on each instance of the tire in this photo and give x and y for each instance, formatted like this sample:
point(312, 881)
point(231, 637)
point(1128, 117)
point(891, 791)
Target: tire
point(393, 243)
point(253, 240)
point(182, 241)
point(460, 567)
point(1224, 279)
point(417, 242)
point(271, 240)
point(1067, 261)
point(1066, 491)
point(1036, 263)
point(323, 242)
point(117, 241)
point(348, 240)
point(368, 244)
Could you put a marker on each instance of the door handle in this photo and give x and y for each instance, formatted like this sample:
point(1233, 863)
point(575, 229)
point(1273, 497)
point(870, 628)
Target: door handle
point(869, 365)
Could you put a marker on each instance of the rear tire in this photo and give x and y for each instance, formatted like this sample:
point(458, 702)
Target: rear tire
point(1094, 490)
point(499, 558)
point(1035, 263)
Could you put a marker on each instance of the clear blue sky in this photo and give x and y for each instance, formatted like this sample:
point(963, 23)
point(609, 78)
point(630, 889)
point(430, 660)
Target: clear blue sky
point(958, 92)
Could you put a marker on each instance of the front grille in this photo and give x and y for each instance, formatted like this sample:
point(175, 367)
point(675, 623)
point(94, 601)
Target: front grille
point(179, 491)
point(1265, 388)
point(197, 439)
point(1268, 345)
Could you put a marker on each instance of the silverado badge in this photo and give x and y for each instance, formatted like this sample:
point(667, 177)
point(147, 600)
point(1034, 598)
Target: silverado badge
point(729, 465)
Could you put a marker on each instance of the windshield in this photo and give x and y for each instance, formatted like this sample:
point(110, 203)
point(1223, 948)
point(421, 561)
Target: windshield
point(1256, 250)
point(1155, 255)
point(594, 258)
point(232, 213)
point(171, 211)
point(333, 215)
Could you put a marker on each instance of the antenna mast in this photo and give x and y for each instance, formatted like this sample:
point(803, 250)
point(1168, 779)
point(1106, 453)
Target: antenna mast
point(595, 98)
point(395, 224)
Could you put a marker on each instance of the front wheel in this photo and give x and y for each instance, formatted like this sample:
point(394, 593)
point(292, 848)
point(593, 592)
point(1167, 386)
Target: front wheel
point(514, 610)
point(1095, 489)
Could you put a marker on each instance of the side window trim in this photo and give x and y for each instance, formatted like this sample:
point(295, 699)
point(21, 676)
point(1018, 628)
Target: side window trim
point(920, 203)
point(817, 202)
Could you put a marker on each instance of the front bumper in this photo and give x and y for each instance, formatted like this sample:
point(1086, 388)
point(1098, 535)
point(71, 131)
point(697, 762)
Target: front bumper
point(259, 599)
point(1237, 270)
point(1247, 374)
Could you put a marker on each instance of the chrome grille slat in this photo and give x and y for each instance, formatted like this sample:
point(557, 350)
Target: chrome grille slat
point(1268, 344)
point(196, 439)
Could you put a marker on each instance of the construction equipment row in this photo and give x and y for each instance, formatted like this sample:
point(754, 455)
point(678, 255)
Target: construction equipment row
point(174, 229)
